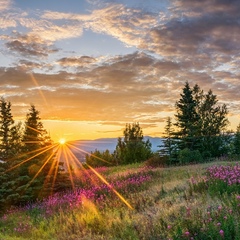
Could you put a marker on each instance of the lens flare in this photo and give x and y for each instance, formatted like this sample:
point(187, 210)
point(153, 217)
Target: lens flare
point(64, 153)
point(62, 141)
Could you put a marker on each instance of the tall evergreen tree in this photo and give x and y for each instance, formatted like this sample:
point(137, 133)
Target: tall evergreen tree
point(133, 148)
point(37, 161)
point(16, 139)
point(201, 122)
point(169, 144)
point(236, 141)
point(6, 134)
point(35, 136)
point(120, 151)
point(187, 119)
point(10, 146)
point(212, 121)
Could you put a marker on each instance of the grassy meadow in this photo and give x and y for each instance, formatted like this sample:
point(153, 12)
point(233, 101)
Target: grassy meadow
point(199, 201)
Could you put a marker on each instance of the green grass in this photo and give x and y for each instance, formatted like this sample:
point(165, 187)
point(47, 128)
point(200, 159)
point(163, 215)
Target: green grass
point(166, 206)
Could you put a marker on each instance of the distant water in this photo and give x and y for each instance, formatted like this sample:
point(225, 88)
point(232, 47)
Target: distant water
point(102, 144)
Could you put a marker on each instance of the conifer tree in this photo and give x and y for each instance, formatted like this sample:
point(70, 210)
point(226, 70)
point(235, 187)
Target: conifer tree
point(10, 145)
point(37, 161)
point(119, 152)
point(35, 136)
point(133, 148)
point(169, 145)
point(187, 119)
point(16, 139)
point(201, 122)
point(212, 121)
point(236, 141)
point(6, 134)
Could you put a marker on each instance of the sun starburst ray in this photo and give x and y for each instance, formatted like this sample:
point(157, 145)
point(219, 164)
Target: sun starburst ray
point(34, 80)
point(69, 156)
point(56, 169)
point(68, 166)
point(63, 151)
point(30, 152)
point(110, 186)
point(30, 158)
point(81, 150)
point(39, 171)
point(34, 129)
point(53, 168)
point(78, 165)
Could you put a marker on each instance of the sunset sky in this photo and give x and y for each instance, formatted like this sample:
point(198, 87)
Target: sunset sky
point(91, 66)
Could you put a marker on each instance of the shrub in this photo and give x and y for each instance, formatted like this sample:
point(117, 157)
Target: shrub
point(187, 156)
point(157, 161)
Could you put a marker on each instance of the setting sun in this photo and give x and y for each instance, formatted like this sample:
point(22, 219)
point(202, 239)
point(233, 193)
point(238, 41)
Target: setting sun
point(62, 141)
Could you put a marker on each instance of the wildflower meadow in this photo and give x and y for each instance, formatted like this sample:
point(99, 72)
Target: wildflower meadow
point(200, 201)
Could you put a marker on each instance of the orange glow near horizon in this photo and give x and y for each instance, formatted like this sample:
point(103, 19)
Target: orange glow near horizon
point(80, 130)
point(88, 130)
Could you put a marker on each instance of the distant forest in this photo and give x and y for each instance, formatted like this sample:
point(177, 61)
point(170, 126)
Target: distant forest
point(31, 170)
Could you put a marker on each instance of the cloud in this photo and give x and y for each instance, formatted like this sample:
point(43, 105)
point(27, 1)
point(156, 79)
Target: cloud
point(101, 94)
point(26, 65)
point(29, 45)
point(116, 20)
point(40, 37)
point(55, 33)
point(212, 27)
point(25, 49)
point(83, 61)
point(42, 28)
point(127, 25)
point(228, 7)
point(7, 22)
point(8, 15)
point(145, 91)
point(5, 5)
point(193, 41)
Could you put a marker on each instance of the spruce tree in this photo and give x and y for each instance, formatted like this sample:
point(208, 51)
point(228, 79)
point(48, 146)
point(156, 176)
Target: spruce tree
point(35, 136)
point(236, 141)
point(187, 119)
point(16, 139)
point(212, 122)
point(133, 148)
point(10, 146)
point(6, 134)
point(168, 148)
point(201, 122)
point(34, 166)
point(120, 151)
